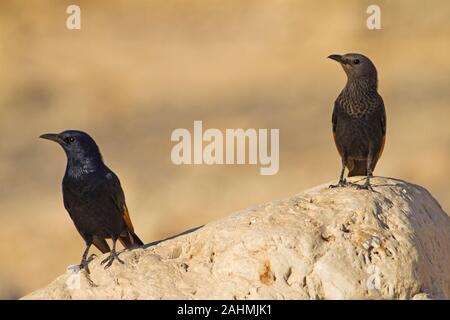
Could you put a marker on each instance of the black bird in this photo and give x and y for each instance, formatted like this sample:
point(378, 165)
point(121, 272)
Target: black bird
point(93, 197)
point(359, 118)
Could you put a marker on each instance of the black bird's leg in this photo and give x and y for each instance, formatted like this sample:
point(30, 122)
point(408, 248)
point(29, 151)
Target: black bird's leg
point(112, 256)
point(342, 182)
point(84, 261)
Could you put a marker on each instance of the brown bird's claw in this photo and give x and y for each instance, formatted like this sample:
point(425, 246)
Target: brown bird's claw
point(110, 259)
point(341, 183)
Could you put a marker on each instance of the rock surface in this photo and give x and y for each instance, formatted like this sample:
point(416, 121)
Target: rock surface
point(339, 243)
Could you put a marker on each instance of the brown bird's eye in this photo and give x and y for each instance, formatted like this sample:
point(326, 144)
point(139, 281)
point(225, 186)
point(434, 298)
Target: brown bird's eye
point(69, 139)
point(356, 61)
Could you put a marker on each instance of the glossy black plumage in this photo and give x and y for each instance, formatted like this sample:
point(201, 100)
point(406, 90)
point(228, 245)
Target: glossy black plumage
point(359, 118)
point(93, 196)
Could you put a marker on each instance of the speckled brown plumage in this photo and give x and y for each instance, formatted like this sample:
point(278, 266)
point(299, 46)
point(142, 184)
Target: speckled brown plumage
point(359, 118)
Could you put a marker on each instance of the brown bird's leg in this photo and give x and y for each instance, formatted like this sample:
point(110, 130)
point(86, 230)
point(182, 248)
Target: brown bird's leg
point(113, 256)
point(367, 185)
point(342, 182)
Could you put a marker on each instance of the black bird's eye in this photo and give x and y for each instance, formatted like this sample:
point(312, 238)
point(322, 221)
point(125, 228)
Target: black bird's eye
point(69, 140)
point(356, 61)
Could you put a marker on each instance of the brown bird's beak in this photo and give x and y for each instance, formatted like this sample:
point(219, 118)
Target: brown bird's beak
point(51, 136)
point(337, 57)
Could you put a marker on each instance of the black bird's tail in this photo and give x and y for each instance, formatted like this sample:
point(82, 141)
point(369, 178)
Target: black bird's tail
point(359, 168)
point(101, 244)
point(131, 240)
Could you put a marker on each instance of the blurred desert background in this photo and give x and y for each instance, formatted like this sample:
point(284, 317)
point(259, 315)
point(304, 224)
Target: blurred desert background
point(137, 70)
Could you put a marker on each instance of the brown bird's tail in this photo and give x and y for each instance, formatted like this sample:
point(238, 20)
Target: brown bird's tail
point(359, 168)
point(131, 240)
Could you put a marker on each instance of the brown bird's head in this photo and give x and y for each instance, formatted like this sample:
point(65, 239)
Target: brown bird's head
point(356, 66)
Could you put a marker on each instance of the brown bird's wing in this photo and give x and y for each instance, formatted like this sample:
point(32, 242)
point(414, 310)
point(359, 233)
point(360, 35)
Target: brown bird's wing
point(334, 120)
point(355, 167)
point(382, 119)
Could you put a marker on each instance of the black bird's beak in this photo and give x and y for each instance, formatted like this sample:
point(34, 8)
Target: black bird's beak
point(51, 136)
point(337, 57)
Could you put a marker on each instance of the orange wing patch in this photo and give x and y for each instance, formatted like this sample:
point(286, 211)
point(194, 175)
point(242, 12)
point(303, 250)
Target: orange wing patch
point(126, 218)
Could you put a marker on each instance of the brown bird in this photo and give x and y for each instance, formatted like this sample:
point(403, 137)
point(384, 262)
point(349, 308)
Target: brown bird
point(359, 119)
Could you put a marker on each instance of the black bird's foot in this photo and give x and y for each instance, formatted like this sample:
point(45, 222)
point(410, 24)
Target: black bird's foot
point(91, 257)
point(365, 186)
point(110, 259)
point(341, 183)
point(85, 263)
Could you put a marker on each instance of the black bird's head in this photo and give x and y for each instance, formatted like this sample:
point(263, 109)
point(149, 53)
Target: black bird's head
point(78, 145)
point(356, 66)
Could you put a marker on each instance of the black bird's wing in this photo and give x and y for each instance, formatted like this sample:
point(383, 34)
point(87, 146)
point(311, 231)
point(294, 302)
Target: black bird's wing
point(129, 239)
point(97, 207)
